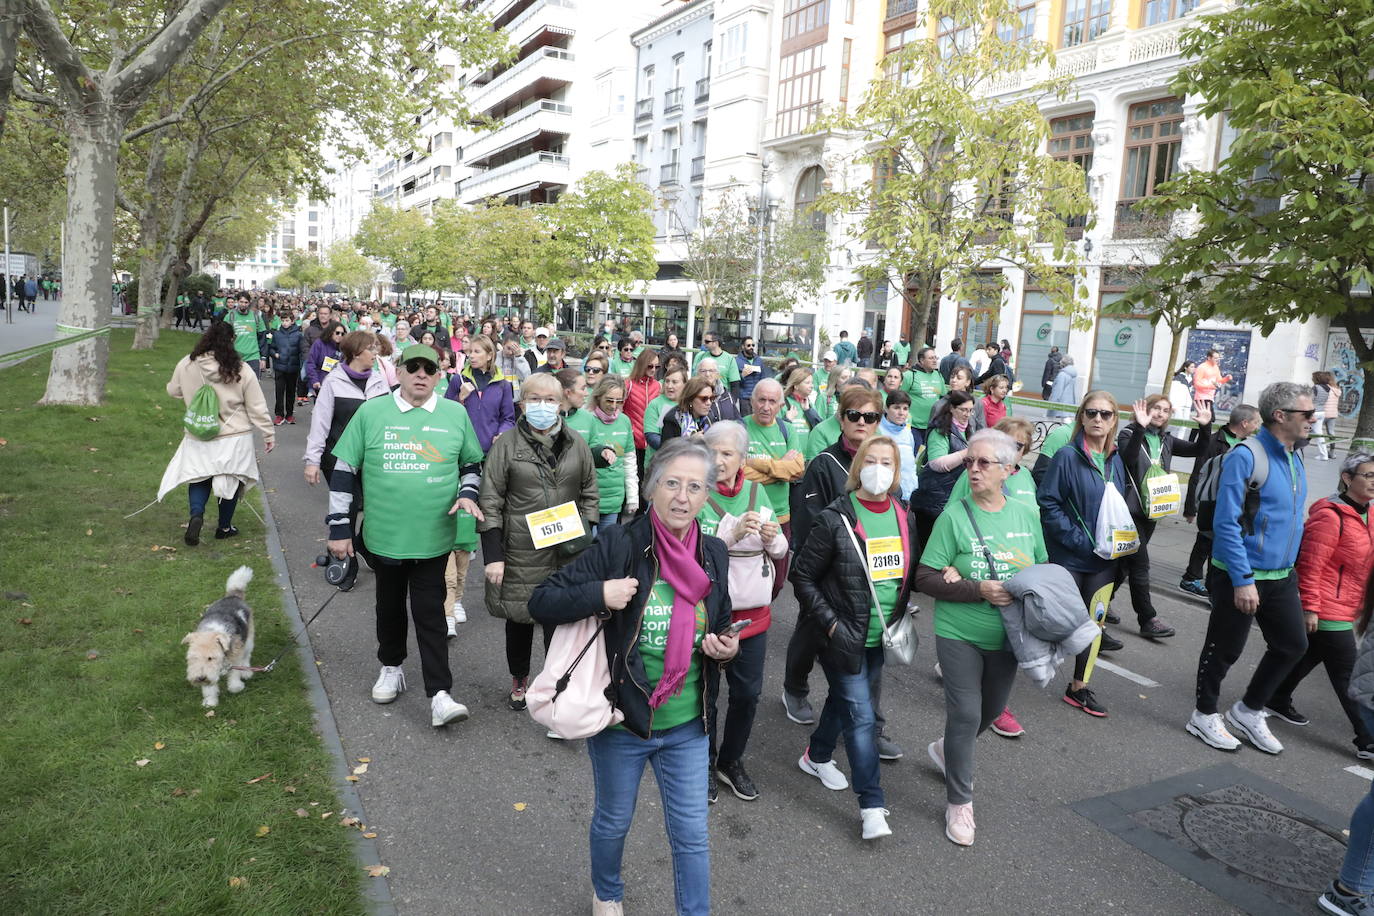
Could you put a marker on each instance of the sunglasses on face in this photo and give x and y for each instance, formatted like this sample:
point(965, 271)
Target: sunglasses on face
point(704, 397)
point(595, 370)
point(1093, 413)
point(868, 416)
point(981, 464)
point(1306, 414)
point(415, 366)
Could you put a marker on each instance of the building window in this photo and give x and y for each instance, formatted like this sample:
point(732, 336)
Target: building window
point(804, 200)
point(799, 90)
point(313, 217)
point(802, 16)
point(893, 42)
point(1154, 139)
point(845, 52)
point(734, 47)
point(677, 71)
point(950, 37)
point(706, 59)
point(1021, 28)
point(647, 82)
point(1085, 20)
point(1157, 11)
point(1071, 140)
point(313, 231)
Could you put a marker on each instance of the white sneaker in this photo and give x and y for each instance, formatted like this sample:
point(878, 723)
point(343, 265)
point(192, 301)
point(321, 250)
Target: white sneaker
point(444, 709)
point(938, 673)
point(1212, 731)
point(959, 826)
point(875, 823)
point(829, 774)
point(1251, 724)
point(553, 734)
point(936, 750)
point(390, 684)
point(452, 627)
point(606, 907)
point(459, 615)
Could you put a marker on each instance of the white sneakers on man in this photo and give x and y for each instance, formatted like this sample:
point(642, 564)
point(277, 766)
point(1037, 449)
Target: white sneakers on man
point(875, 823)
point(444, 709)
point(390, 684)
point(1212, 731)
point(829, 774)
point(1251, 724)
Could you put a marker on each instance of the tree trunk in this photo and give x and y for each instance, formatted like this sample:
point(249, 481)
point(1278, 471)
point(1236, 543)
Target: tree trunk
point(1173, 359)
point(1364, 422)
point(77, 374)
point(920, 317)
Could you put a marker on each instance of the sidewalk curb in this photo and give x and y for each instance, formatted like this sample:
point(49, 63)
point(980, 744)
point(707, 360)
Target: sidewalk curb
point(376, 892)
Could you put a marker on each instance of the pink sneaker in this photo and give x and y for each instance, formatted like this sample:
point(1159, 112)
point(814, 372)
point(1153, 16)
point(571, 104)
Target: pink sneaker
point(1007, 726)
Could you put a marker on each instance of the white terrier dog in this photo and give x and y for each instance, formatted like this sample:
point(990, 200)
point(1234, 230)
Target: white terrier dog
point(223, 639)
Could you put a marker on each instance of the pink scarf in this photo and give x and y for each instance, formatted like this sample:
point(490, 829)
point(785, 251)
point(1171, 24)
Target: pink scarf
point(677, 563)
point(603, 416)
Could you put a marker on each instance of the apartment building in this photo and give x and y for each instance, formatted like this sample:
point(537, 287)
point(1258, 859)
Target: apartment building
point(299, 227)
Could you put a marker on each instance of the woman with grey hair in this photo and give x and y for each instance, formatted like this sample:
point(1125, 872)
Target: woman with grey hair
point(977, 663)
point(660, 585)
point(738, 513)
point(1334, 560)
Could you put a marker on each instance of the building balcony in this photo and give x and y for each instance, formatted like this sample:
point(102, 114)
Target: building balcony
point(667, 173)
point(537, 76)
point(672, 101)
point(698, 168)
point(541, 122)
point(644, 109)
point(703, 89)
point(515, 177)
point(556, 16)
point(898, 7)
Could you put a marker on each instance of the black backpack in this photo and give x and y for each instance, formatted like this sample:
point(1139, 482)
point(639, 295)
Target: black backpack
point(1209, 479)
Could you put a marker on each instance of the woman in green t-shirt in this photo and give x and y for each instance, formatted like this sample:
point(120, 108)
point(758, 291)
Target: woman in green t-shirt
point(976, 662)
point(858, 550)
point(670, 389)
point(611, 439)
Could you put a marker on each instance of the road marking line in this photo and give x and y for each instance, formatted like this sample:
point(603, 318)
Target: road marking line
point(1140, 679)
point(1362, 772)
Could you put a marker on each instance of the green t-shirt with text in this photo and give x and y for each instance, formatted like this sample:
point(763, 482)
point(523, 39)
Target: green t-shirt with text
point(411, 459)
point(246, 330)
point(619, 435)
point(653, 645)
point(1015, 541)
point(925, 389)
point(768, 442)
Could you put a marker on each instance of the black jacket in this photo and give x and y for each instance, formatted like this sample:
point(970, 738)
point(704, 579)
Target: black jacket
point(441, 337)
point(1052, 364)
point(575, 592)
point(888, 360)
point(1130, 442)
point(1217, 444)
point(831, 582)
point(998, 366)
point(823, 481)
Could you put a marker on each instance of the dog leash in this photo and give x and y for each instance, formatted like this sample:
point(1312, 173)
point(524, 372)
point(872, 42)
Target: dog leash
point(273, 663)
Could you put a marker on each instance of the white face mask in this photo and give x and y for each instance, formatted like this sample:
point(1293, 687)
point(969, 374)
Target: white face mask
point(876, 478)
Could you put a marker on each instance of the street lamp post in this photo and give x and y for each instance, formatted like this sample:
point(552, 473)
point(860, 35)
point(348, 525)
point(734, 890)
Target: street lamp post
point(764, 209)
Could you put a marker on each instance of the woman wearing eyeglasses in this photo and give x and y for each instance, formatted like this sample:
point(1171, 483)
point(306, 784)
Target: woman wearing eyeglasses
point(611, 438)
point(1333, 567)
point(961, 379)
point(946, 445)
point(641, 389)
point(859, 547)
point(977, 664)
point(1070, 498)
point(537, 464)
point(670, 389)
point(693, 414)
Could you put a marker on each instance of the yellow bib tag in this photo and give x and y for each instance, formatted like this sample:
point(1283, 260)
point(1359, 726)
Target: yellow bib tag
point(327, 366)
point(885, 559)
point(549, 527)
point(1165, 495)
point(1125, 541)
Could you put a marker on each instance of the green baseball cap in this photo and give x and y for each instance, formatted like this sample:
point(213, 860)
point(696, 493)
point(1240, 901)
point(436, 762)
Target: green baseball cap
point(419, 351)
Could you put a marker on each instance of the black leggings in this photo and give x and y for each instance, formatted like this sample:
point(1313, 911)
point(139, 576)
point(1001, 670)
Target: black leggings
point(1088, 585)
point(1336, 650)
point(285, 390)
point(1135, 569)
point(520, 646)
point(1280, 620)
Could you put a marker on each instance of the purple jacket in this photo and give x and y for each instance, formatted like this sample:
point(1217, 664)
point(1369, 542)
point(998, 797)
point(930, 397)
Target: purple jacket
point(491, 409)
point(320, 350)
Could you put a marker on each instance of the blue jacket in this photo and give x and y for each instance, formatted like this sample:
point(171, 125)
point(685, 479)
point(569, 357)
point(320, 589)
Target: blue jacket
point(1278, 525)
point(747, 382)
point(284, 348)
point(1070, 498)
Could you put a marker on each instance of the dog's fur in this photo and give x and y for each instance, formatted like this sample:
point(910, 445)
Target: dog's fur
point(224, 638)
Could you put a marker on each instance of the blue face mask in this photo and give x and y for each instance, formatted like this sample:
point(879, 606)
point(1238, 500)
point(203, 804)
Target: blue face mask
point(542, 415)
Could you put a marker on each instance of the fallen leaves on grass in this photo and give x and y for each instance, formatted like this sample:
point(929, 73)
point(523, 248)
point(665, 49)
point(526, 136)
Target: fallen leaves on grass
point(209, 713)
point(351, 822)
point(301, 812)
point(291, 789)
point(263, 831)
point(92, 655)
point(89, 532)
point(327, 815)
point(258, 779)
point(377, 871)
point(142, 763)
point(237, 882)
point(26, 620)
point(178, 792)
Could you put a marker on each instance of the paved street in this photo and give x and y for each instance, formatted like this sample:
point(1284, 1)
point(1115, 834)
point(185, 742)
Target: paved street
point(444, 802)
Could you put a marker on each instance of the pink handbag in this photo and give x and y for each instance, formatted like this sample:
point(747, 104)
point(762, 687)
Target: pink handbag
point(567, 697)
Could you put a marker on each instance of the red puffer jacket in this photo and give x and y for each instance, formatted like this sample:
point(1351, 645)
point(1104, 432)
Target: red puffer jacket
point(638, 396)
point(1335, 558)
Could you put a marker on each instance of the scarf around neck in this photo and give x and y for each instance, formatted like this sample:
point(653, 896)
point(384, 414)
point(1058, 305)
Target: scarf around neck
point(731, 488)
point(604, 417)
point(677, 563)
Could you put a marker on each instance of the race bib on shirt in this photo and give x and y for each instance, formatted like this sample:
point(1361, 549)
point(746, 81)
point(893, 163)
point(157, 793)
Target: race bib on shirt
point(550, 527)
point(885, 559)
point(1163, 495)
point(327, 366)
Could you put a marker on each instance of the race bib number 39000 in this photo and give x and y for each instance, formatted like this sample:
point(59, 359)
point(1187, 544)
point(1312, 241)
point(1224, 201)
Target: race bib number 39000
point(885, 559)
point(549, 527)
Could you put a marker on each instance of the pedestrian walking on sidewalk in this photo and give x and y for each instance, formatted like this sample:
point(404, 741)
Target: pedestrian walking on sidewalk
point(1257, 531)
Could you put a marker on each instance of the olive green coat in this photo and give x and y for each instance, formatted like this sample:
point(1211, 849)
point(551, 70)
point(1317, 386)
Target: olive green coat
point(522, 475)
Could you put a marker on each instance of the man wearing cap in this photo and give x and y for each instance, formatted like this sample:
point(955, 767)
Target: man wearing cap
point(535, 354)
point(417, 450)
point(553, 355)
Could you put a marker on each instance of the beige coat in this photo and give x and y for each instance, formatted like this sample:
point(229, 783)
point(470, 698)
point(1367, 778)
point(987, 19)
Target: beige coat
point(241, 402)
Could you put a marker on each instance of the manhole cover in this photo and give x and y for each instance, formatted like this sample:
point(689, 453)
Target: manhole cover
point(1261, 842)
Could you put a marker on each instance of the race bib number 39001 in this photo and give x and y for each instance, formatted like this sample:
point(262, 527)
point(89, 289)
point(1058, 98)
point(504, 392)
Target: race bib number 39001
point(885, 559)
point(549, 527)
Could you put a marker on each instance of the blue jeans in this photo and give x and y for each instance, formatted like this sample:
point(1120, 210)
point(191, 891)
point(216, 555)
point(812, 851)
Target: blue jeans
point(608, 520)
point(849, 708)
point(200, 491)
point(1357, 873)
point(678, 756)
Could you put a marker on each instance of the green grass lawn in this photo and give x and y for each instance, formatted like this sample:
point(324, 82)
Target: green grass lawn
point(120, 794)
